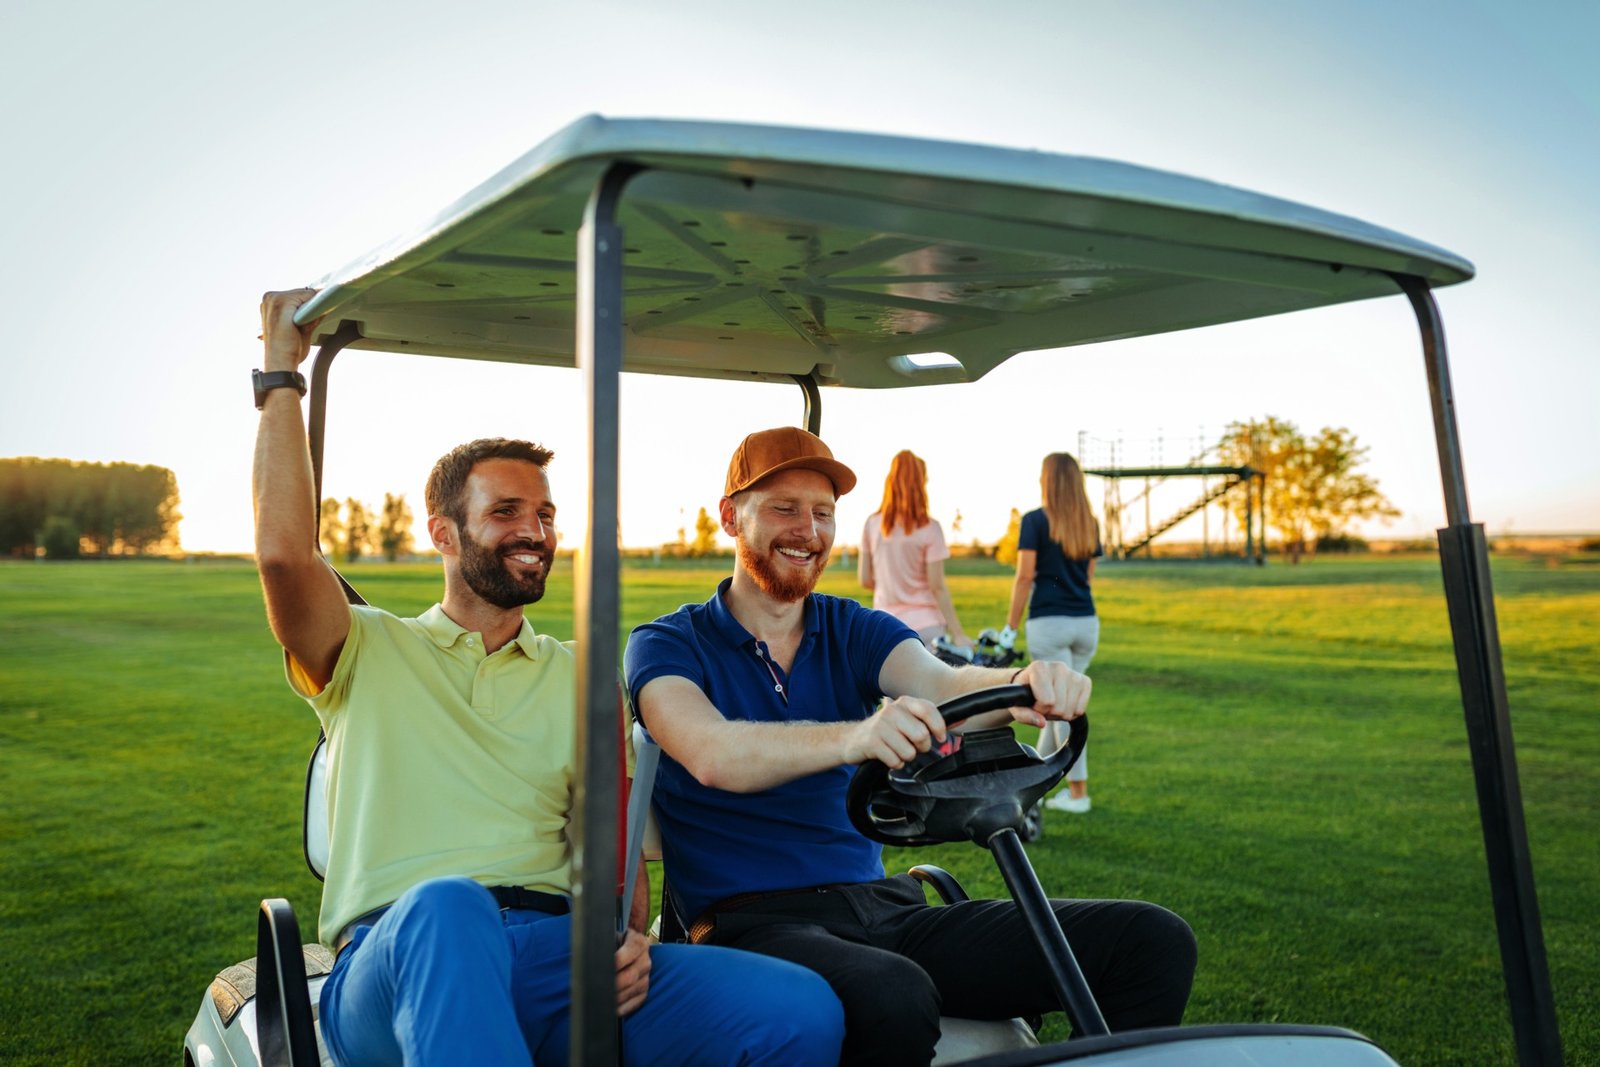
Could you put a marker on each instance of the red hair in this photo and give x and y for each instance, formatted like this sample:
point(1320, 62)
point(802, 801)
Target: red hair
point(905, 494)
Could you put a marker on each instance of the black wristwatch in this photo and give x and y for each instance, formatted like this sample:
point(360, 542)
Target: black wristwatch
point(267, 380)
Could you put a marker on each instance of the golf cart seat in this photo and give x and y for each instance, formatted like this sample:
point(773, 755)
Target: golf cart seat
point(263, 1012)
point(960, 1039)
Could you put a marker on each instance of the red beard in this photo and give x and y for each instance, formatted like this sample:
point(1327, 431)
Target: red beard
point(779, 581)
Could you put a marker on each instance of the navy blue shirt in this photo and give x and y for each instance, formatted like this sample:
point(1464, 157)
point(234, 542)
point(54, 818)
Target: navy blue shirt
point(715, 843)
point(1060, 585)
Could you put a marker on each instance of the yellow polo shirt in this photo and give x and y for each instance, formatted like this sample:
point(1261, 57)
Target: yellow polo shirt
point(442, 761)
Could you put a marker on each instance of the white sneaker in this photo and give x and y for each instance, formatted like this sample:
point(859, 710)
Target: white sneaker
point(1068, 802)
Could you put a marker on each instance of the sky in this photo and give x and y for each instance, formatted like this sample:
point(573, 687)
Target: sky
point(168, 162)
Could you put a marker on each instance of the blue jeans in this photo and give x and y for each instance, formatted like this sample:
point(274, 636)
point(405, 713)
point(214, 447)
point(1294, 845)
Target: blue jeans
point(446, 977)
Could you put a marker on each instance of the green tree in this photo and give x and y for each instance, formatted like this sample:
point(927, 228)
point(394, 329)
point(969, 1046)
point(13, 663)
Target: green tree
point(1006, 550)
point(60, 537)
point(330, 530)
point(394, 527)
point(705, 535)
point(22, 505)
point(359, 534)
point(1313, 487)
point(141, 508)
point(1340, 494)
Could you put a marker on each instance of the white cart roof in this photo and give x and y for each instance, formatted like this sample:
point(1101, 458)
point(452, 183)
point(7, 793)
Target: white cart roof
point(761, 251)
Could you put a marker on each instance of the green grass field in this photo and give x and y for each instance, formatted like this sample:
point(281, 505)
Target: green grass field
point(1278, 756)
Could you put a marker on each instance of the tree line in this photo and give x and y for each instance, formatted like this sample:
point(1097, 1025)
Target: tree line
point(1314, 491)
point(352, 530)
point(66, 508)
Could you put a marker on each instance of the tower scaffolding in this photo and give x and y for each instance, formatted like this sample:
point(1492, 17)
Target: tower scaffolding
point(1113, 460)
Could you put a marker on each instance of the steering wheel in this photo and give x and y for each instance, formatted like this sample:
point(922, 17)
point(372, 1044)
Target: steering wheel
point(966, 789)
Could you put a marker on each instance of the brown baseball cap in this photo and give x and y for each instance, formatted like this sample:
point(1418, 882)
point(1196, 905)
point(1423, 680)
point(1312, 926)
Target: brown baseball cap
point(768, 452)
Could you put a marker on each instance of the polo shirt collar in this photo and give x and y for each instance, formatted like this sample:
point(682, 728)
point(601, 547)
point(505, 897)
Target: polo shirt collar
point(526, 641)
point(445, 632)
point(733, 631)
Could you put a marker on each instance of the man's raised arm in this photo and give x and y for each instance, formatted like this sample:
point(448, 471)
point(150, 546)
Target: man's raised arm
point(306, 606)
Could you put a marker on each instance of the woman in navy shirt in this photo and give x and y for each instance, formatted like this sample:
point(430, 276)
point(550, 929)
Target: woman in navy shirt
point(1056, 550)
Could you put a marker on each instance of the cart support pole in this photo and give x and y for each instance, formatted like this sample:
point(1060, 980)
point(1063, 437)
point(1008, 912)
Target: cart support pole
point(1066, 977)
point(597, 601)
point(316, 430)
point(347, 333)
point(813, 412)
point(1464, 553)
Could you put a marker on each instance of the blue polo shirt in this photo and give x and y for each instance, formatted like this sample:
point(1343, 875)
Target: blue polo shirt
point(716, 844)
point(1060, 585)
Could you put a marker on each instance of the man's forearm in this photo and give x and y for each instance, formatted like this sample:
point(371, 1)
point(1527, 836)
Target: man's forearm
point(971, 680)
point(747, 757)
point(963, 680)
point(285, 500)
point(285, 494)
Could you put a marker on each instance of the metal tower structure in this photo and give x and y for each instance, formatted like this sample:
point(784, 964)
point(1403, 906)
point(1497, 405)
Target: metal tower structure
point(1219, 483)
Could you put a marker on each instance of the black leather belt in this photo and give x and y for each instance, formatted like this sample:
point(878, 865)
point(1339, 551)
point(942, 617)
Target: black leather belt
point(514, 896)
point(506, 898)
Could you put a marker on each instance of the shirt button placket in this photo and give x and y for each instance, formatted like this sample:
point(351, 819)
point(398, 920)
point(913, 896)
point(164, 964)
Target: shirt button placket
point(482, 682)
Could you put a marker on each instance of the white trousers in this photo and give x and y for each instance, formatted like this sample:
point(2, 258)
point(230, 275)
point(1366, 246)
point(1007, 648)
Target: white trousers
point(1072, 639)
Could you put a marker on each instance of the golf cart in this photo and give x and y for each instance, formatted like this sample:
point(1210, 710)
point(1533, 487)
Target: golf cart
point(844, 260)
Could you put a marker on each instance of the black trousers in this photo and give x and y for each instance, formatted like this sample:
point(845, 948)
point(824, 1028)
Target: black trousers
point(898, 963)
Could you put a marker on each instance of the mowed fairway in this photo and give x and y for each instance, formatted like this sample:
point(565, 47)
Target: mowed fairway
point(1278, 755)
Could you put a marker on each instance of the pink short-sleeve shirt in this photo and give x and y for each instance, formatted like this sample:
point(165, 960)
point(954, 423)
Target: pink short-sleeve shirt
point(900, 571)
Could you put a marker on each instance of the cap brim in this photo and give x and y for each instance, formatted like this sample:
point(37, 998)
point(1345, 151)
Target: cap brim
point(842, 477)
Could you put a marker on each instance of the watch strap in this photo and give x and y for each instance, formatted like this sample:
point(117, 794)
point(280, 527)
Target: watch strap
point(267, 380)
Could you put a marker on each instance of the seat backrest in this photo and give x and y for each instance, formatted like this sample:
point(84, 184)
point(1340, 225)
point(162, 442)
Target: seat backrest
point(314, 823)
point(646, 754)
point(314, 814)
point(671, 927)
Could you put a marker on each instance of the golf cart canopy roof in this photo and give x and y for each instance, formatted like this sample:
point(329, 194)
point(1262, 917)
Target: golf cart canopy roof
point(767, 252)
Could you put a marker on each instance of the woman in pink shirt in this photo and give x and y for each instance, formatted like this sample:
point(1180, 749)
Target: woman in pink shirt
point(903, 554)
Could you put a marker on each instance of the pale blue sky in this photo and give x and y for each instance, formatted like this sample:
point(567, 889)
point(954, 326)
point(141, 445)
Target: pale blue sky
point(167, 162)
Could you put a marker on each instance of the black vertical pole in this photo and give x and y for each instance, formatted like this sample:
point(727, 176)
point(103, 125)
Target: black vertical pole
point(1066, 977)
point(813, 411)
point(596, 609)
point(1258, 521)
point(316, 429)
point(1464, 554)
point(1250, 519)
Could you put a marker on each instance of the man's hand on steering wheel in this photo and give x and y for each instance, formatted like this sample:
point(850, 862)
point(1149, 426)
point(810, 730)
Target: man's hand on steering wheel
point(896, 732)
point(1059, 692)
